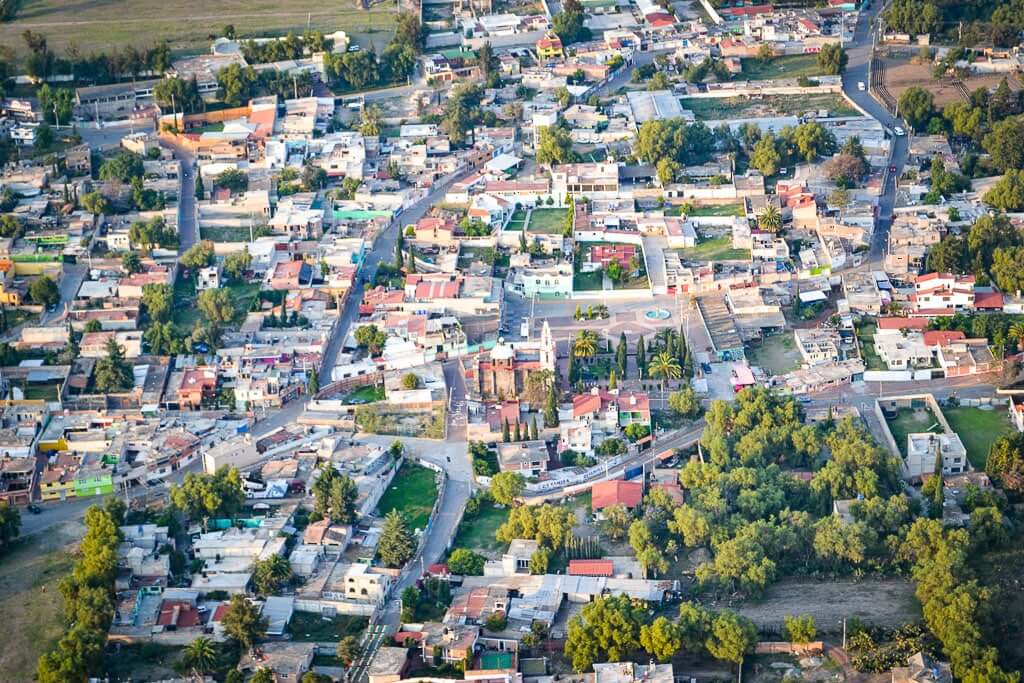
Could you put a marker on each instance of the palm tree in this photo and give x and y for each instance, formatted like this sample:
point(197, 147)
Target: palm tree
point(665, 366)
point(585, 344)
point(201, 654)
point(1016, 333)
point(770, 219)
point(664, 336)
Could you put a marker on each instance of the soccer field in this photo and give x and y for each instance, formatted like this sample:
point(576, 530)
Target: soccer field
point(99, 25)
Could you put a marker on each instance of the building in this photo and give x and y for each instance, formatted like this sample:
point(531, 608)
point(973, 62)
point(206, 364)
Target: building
point(529, 458)
point(605, 494)
point(504, 370)
point(550, 47)
point(818, 345)
point(938, 294)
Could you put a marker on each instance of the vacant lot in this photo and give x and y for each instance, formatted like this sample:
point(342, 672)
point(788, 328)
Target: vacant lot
point(413, 492)
point(866, 337)
point(477, 533)
point(772, 105)
point(186, 313)
point(308, 627)
point(546, 221)
point(978, 429)
point(30, 603)
point(99, 25)
point(368, 394)
point(776, 354)
point(900, 74)
point(792, 66)
point(715, 249)
point(881, 602)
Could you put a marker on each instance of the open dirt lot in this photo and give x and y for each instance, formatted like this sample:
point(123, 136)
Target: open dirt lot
point(884, 602)
point(900, 74)
point(99, 25)
point(30, 603)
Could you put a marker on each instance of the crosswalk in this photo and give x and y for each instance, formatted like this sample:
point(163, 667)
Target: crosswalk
point(372, 639)
point(457, 413)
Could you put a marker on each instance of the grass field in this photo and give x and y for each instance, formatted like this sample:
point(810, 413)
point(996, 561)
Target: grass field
point(715, 249)
point(866, 337)
point(978, 429)
point(546, 221)
point(225, 234)
point(779, 105)
point(307, 627)
point(791, 66)
point(477, 533)
point(368, 394)
point(738, 209)
point(588, 282)
point(413, 492)
point(30, 603)
point(99, 25)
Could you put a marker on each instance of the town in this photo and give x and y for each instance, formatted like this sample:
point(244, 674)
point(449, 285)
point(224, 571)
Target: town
point(512, 341)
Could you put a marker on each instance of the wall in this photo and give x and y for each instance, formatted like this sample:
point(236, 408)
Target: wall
point(712, 12)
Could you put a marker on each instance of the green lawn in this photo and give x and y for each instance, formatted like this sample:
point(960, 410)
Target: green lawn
point(371, 393)
point(19, 316)
point(413, 492)
point(718, 108)
point(186, 313)
point(866, 337)
point(790, 66)
point(715, 249)
point(225, 234)
point(308, 627)
point(978, 429)
point(588, 282)
point(911, 421)
point(737, 209)
point(546, 221)
point(477, 533)
point(42, 392)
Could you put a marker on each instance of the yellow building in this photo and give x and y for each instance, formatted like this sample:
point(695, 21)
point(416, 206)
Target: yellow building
point(550, 47)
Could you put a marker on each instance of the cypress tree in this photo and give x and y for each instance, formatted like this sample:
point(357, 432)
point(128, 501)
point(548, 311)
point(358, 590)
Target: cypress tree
point(551, 408)
point(504, 431)
point(519, 432)
point(534, 435)
point(641, 357)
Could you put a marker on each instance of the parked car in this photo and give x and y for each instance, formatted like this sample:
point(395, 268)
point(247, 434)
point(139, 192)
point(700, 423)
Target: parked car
point(34, 509)
point(899, 131)
point(861, 86)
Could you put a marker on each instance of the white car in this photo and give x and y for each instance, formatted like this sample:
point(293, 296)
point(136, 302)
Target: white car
point(860, 85)
point(899, 131)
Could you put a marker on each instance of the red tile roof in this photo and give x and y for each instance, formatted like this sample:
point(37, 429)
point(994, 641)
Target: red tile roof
point(591, 568)
point(942, 337)
point(902, 323)
point(616, 492)
point(988, 300)
point(177, 613)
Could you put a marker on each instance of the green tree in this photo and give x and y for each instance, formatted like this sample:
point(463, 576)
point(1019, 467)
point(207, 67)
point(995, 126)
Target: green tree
point(201, 496)
point(585, 344)
point(242, 623)
point(200, 655)
point(335, 495)
point(615, 521)
point(1005, 463)
point(800, 630)
point(770, 219)
point(832, 59)
point(916, 106)
point(216, 307)
point(549, 525)
point(158, 298)
point(506, 487)
point(95, 203)
point(200, 191)
point(349, 650)
point(10, 524)
point(270, 574)
point(731, 637)
point(554, 146)
point(1008, 193)
point(684, 402)
point(131, 263)
point(540, 560)
point(396, 546)
point(199, 255)
point(765, 156)
point(371, 338)
point(607, 629)
point(235, 265)
point(123, 166)
point(661, 639)
point(666, 367)
point(466, 562)
point(43, 290)
point(551, 407)
point(112, 374)
point(1005, 143)
point(568, 23)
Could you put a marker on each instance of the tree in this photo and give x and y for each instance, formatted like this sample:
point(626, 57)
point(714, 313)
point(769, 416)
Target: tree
point(622, 355)
point(408, 31)
point(396, 546)
point(95, 203)
point(466, 562)
point(201, 496)
point(236, 264)
point(112, 374)
point(506, 436)
point(199, 255)
point(551, 407)
point(568, 23)
point(913, 17)
point(410, 381)
point(539, 561)
point(799, 630)
point(845, 169)
point(1007, 269)
point(263, 675)
point(160, 336)
point(1006, 144)
point(216, 307)
point(43, 290)
point(731, 638)
point(242, 621)
point(10, 523)
point(765, 156)
point(554, 146)
point(122, 167)
point(533, 436)
point(666, 367)
point(549, 525)
point(1005, 463)
point(152, 233)
point(916, 106)
point(770, 219)
point(607, 629)
point(131, 263)
point(615, 521)
point(371, 338)
point(268, 575)
point(158, 300)
point(349, 650)
point(832, 59)
point(661, 639)
point(201, 654)
point(684, 402)
point(335, 495)
point(506, 487)
point(1008, 193)
point(585, 344)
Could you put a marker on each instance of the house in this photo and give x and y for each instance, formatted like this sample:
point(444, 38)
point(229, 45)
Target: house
point(208, 278)
point(630, 672)
point(900, 352)
point(817, 345)
point(530, 458)
point(389, 665)
point(198, 385)
point(616, 492)
point(286, 659)
point(550, 47)
point(939, 294)
point(603, 568)
point(921, 668)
